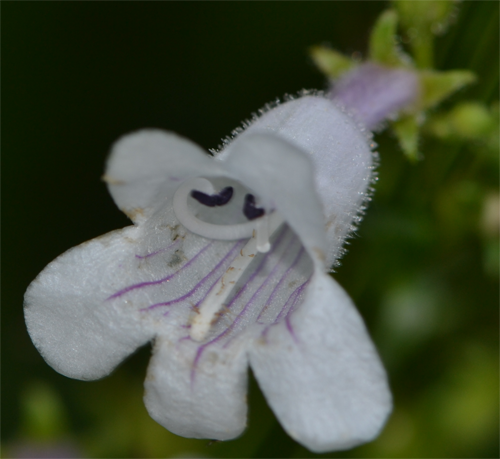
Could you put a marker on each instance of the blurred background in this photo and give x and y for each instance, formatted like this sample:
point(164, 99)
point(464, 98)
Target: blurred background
point(423, 268)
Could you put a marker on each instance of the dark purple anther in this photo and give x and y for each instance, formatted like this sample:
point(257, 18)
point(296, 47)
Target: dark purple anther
point(249, 209)
point(219, 199)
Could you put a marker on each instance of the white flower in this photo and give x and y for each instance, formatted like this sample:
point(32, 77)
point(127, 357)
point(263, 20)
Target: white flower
point(230, 275)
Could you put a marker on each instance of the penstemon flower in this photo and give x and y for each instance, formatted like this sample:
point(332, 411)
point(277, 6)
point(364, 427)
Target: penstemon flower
point(226, 266)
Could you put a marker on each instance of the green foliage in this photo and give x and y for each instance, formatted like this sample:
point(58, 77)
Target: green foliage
point(437, 86)
point(331, 62)
point(466, 121)
point(44, 413)
point(406, 129)
point(422, 20)
point(432, 15)
point(383, 47)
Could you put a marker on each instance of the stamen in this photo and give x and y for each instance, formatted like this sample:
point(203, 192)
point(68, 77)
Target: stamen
point(220, 199)
point(214, 302)
point(258, 229)
point(250, 210)
point(195, 225)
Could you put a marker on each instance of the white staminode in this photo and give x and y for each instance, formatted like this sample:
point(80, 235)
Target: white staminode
point(214, 302)
point(263, 233)
point(259, 231)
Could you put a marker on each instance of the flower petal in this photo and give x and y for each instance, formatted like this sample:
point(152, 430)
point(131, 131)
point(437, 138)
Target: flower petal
point(339, 151)
point(321, 373)
point(147, 166)
point(195, 394)
point(282, 174)
point(75, 330)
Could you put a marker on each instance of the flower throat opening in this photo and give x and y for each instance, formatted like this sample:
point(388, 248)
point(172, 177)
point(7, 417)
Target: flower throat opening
point(258, 229)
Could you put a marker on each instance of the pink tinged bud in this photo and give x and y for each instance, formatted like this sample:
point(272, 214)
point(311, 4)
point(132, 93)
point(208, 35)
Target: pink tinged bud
point(374, 93)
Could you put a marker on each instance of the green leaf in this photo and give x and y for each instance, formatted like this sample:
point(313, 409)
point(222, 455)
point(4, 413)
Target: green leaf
point(436, 86)
point(44, 417)
point(406, 129)
point(421, 21)
point(330, 62)
point(383, 47)
point(468, 120)
point(425, 16)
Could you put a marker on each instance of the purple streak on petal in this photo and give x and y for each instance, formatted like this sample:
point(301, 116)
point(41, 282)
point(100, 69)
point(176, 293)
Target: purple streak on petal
point(295, 296)
point(274, 247)
point(290, 329)
point(292, 301)
point(184, 338)
point(243, 289)
point(259, 290)
point(374, 93)
point(252, 277)
point(160, 250)
point(256, 294)
point(160, 281)
point(278, 285)
point(259, 268)
point(217, 280)
point(231, 254)
point(292, 307)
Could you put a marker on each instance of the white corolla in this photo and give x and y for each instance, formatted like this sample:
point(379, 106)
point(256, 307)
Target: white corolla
point(226, 266)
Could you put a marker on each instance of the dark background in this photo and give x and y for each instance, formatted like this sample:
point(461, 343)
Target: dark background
point(78, 75)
